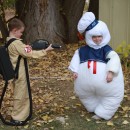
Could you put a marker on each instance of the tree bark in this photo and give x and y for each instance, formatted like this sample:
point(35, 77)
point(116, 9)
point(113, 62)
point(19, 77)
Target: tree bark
point(73, 11)
point(94, 7)
point(42, 20)
point(3, 27)
point(53, 20)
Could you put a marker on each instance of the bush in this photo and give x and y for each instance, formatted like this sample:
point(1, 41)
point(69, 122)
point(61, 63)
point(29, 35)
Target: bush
point(124, 51)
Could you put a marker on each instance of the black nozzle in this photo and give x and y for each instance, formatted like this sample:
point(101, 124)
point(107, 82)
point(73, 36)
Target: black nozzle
point(56, 46)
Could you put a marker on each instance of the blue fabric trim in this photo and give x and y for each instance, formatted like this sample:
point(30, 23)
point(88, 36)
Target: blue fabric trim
point(92, 25)
point(92, 60)
point(87, 53)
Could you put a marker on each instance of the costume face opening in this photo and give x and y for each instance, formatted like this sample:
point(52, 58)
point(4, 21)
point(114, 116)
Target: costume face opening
point(97, 39)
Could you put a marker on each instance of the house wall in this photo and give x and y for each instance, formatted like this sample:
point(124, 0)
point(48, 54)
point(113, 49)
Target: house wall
point(116, 14)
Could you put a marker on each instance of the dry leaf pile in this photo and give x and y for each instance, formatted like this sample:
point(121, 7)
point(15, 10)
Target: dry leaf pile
point(52, 91)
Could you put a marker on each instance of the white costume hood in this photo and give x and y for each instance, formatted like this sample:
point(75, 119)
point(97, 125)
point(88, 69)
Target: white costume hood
point(95, 28)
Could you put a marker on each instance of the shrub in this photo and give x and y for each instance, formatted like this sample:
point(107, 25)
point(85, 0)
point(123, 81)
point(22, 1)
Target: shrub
point(124, 52)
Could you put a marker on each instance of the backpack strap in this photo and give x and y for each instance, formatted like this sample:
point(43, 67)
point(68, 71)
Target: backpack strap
point(18, 60)
point(9, 42)
point(16, 71)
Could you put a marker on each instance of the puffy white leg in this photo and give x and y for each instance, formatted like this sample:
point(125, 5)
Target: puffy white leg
point(90, 103)
point(107, 107)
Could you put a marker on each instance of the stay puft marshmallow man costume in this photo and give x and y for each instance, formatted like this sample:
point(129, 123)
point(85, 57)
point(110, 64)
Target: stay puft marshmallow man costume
point(92, 62)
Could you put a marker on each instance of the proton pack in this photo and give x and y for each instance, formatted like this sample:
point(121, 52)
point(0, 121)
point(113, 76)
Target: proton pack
point(6, 68)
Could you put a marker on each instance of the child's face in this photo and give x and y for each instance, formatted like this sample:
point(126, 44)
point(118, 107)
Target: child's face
point(97, 39)
point(18, 32)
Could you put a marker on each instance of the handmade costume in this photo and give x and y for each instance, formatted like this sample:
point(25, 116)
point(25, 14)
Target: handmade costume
point(21, 99)
point(92, 62)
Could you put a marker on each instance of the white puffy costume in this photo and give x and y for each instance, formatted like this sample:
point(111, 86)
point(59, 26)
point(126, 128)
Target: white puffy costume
point(91, 86)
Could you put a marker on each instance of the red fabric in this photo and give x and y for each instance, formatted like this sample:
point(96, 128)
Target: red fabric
point(80, 36)
point(94, 66)
point(89, 64)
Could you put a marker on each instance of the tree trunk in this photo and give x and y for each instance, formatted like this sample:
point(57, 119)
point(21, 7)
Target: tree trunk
point(73, 11)
point(42, 20)
point(94, 7)
point(3, 27)
point(53, 20)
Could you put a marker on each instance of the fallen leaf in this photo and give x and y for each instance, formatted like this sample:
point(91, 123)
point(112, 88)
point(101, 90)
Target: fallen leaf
point(126, 115)
point(38, 124)
point(110, 123)
point(125, 122)
point(73, 97)
point(26, 126)
point(125, 108)
point(116, 116)
point(88, 119)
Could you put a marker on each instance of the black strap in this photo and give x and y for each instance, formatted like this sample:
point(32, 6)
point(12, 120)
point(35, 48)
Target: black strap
point(9, 42)
point(17, 67)
point(28, 85)
point(29, 91)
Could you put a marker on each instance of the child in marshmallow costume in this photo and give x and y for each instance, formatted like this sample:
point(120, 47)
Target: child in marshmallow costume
point(97, 71)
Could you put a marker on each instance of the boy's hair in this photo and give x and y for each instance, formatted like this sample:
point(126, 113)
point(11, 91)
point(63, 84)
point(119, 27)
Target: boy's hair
point(15, 24)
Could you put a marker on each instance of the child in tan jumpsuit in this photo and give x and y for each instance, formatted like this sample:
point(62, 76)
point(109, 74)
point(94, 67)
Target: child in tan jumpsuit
point(21, 99)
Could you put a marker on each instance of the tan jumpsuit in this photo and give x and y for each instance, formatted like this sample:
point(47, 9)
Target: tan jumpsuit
point(21, 103)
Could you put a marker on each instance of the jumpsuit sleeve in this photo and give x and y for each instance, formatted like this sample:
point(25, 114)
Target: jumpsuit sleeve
point(74, 64)
point(114, 62)
point(20, 48)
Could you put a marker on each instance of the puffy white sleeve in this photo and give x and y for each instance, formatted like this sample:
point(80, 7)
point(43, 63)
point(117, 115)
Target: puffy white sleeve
point(74, 64)
point(114, 62)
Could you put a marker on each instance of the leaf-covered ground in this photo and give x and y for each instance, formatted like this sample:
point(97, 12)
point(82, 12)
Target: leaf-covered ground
point(55, 106)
